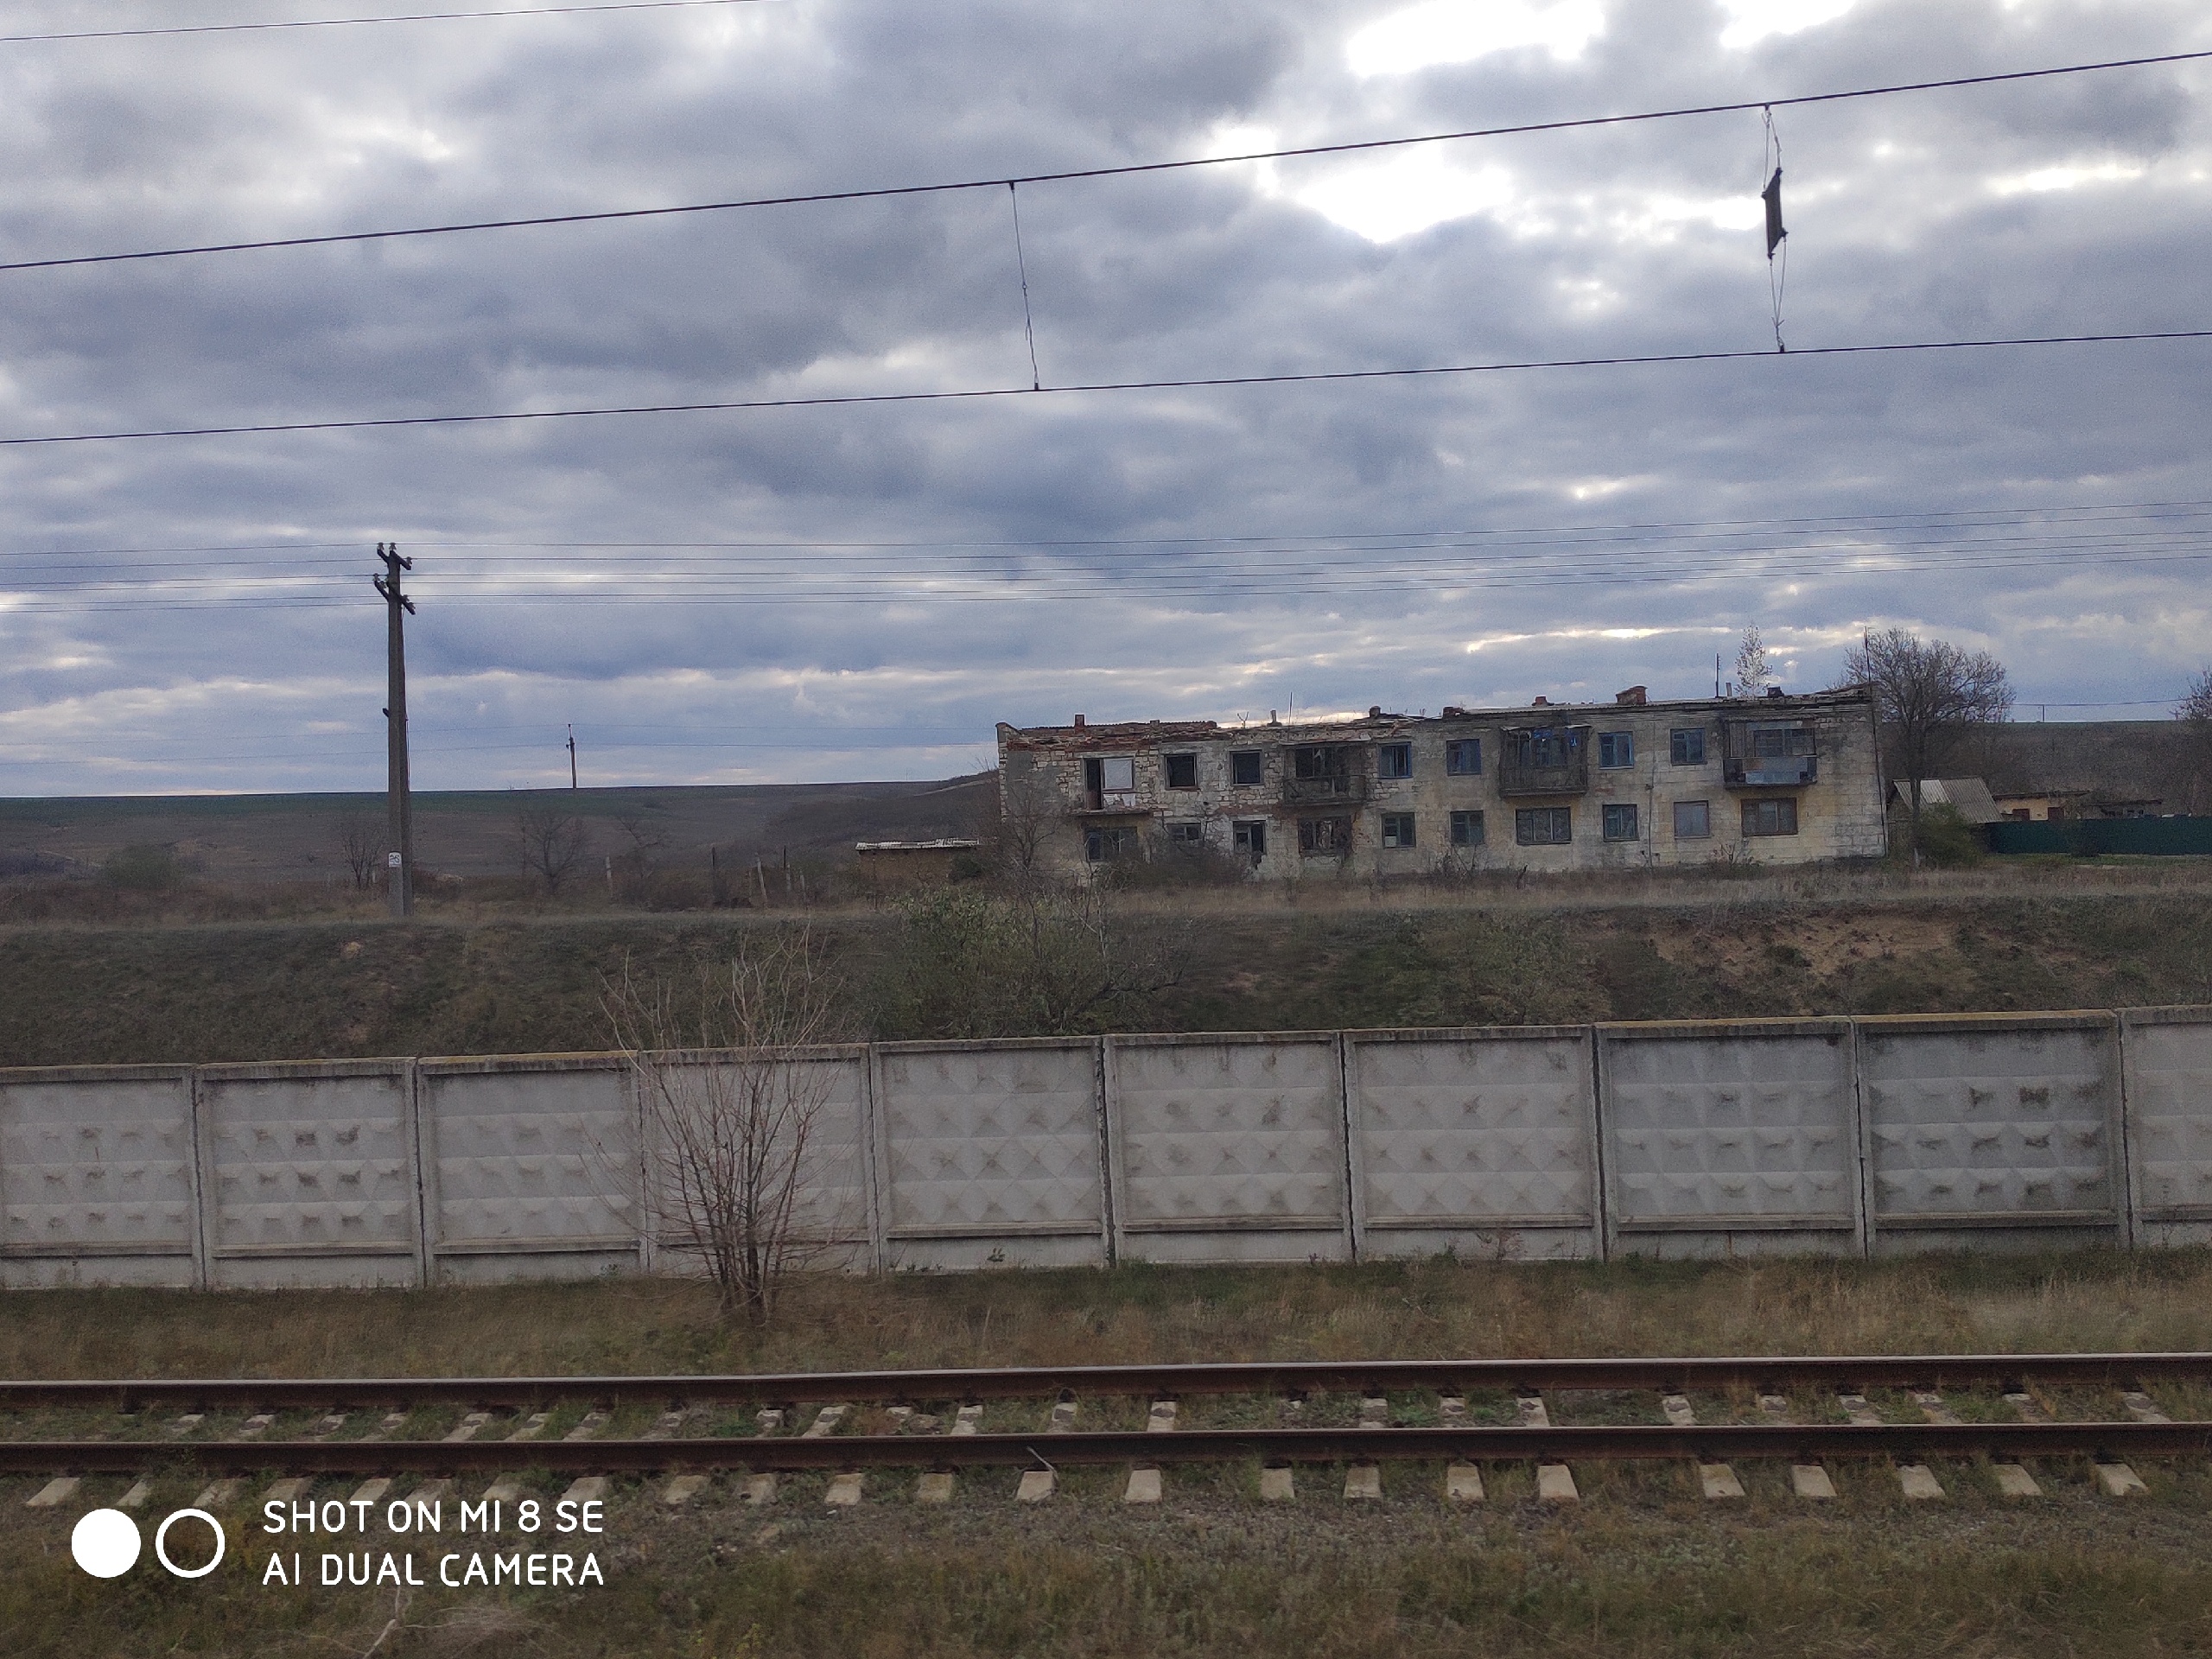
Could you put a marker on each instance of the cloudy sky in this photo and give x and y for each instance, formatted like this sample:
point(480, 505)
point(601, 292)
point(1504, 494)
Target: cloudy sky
point(862, 590)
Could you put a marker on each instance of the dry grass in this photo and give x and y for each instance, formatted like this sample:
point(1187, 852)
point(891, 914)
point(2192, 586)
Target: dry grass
point(1641, 1569)
point(2148, 1301)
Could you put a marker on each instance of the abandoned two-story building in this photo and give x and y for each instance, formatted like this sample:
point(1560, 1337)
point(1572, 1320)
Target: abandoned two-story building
point(1630, 783)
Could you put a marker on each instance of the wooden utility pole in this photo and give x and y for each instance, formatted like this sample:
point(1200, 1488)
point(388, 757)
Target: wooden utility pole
point(399, 859)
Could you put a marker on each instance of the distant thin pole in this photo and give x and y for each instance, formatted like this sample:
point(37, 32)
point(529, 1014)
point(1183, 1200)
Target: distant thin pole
point(572, 757)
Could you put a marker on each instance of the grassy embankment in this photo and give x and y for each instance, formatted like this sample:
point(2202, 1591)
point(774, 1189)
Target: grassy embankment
point(483, 981)
point(1641, 1568)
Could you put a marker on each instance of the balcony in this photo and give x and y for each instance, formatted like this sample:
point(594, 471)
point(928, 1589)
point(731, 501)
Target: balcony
point(1329, 789)
point(1325, 774)
point(1770, 771)
point(1768, 754)
point(1549, 760)
point(1111, 803)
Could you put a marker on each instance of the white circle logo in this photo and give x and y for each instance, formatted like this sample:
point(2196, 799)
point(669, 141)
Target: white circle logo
point(161, 1541)
point(105, 1543)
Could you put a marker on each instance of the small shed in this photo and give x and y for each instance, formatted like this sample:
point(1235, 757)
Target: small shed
point(1968, 797)
point(914, 863)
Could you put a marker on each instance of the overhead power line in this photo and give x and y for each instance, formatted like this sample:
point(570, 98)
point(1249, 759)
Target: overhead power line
point(346, 23)
point(1703, 532)
point(1124, 170)
point(1191, 576)
point(977, 394)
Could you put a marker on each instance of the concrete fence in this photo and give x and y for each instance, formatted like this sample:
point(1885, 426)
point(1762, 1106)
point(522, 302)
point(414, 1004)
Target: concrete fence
point(1845, 1137)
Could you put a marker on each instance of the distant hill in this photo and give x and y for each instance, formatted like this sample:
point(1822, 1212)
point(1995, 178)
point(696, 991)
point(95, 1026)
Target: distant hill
point(298, 837)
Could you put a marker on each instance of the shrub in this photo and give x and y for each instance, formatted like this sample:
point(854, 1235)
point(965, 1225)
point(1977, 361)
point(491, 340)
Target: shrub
point(143, 869)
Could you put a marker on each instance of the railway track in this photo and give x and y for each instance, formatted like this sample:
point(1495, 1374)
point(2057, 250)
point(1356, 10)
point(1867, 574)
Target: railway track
point(1915, 1413)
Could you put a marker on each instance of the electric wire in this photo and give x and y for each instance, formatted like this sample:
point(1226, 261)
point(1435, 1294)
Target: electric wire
point(344, 23)
point(838, 400)
point(1119, 170)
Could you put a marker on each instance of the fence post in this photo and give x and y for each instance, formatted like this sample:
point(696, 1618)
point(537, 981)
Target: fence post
point(1862, 1150)
point(2124, 1202)
point(425, 1273)
point(1601, 1151)
point(1354, 1158)
point(874, 1151)
point(202, 1182)
point(1110, 1150)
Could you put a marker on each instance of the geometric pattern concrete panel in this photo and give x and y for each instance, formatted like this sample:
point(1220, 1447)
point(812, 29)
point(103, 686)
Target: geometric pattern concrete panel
point(1227, 1135)
point(980, 1141)
point(526, 1156)
point(2170, 1114)
point(100, 1166)
point(1989, 1122)
point(305, 1165)
point(1471, 1134)
point(816, 1104)
point(1741, 1128)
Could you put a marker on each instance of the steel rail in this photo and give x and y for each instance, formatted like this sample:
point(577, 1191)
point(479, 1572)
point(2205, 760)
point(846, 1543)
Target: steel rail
point(1834, 1372)
point(2105, 1441)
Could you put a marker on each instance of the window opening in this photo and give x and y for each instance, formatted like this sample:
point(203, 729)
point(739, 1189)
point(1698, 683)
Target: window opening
point(1692, 820)
point(1466, 829)
point(1543, 826)
point(1325, 834)
point(1397, 828)
point(1618, 823)
point(1776, 816)
point(1463, 757)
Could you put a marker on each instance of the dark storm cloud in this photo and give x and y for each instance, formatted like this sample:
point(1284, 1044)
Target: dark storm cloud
point(2062, 207)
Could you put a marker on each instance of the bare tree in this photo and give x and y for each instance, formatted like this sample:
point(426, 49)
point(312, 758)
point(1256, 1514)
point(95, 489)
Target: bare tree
point(640, 861)
point(1029, 811)
point(1754, 670)
point(361, 838)
point(1924, 690)
point(730, 1108)
point(2195, 710)
point(2195, 704)
point(551, 840)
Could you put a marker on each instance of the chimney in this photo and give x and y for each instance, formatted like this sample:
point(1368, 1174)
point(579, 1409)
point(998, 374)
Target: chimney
point(1078, 722)
point(1541, 702)
point(1374, 712)
point(1631, 698)
point(1274, 717)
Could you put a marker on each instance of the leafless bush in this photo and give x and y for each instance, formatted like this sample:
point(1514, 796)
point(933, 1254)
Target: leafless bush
point(361, 839)
point(730, 1108)
point(640, 860)
point(550, 840)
